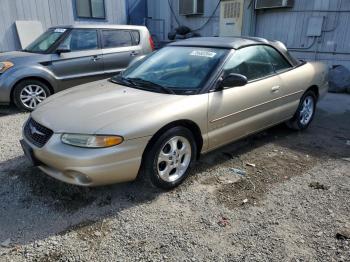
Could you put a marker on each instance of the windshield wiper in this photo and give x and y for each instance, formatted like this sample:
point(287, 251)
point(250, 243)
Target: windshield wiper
point(148, 83)
point(122, 80)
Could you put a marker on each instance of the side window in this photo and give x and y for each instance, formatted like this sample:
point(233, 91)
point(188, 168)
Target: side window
point(81, 39)
point(252, 62)
point(277, 60)
point(136, 36)
point(116, 38)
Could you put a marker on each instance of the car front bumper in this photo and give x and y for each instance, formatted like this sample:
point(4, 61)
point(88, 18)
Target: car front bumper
point(5, 89)
point(89, 167)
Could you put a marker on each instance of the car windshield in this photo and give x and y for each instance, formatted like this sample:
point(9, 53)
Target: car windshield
point(174, 69)
point(43, 43)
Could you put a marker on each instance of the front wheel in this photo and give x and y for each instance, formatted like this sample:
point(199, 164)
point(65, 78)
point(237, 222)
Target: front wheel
point(29, 93)
point(168, 162)
point(305, 112)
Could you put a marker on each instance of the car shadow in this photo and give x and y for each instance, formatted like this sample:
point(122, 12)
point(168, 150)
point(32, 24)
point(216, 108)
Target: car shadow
point(34, 206)
point(9, 110)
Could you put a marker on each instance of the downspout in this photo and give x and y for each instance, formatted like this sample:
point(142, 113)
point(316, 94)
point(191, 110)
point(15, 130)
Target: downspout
point(252, 27)
point(127, 11)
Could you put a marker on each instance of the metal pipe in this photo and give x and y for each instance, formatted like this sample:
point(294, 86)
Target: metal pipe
point(320, 11)
point(303, 48)
point(321, 52)
point(340, 2)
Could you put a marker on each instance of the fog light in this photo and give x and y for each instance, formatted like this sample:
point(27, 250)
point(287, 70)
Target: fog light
point(77, 176)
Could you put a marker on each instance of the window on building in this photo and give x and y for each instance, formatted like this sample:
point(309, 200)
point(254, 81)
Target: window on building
point(116, 38)
point(91, 9)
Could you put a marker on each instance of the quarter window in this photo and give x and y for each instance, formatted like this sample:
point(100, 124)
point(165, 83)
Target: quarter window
point(277, 60)
point(252, 62)
point(116, 38)
point(81, 39)
point(91, 9)
point(136, 36)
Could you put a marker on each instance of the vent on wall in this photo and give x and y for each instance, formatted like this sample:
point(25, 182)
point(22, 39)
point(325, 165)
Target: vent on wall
point(191, 7)
point(265, 4)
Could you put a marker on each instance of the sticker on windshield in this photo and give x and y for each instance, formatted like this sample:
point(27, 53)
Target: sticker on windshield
point(60, 30)
point(203, 53)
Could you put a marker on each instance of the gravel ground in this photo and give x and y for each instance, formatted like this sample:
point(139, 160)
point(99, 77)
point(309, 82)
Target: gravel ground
point(292, 204)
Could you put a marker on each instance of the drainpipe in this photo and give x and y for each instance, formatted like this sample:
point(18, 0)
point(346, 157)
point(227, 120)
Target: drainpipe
point(252, 26)
point(127, 11)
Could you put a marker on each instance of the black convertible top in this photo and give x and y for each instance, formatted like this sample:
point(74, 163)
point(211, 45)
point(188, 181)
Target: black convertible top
point(236, 43)
point(221, 42)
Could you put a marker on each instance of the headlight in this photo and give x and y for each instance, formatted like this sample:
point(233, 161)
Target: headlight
point(91, 141)
point(4, 66)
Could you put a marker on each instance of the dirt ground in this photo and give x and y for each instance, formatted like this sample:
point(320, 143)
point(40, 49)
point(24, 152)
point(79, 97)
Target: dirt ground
point(291, 203)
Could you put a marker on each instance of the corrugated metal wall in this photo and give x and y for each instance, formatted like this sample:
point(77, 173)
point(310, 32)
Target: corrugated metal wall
point(159, 9)
point(290, 26)
point(49, 13)
point(160, 12)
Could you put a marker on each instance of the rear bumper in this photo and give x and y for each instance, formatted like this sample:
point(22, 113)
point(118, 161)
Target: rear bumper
point(323, 90)
point(90, 167)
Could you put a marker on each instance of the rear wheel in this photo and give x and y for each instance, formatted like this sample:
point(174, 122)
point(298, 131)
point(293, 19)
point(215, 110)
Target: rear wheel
point(168, 162)
point(29, 93)
point(305, 112)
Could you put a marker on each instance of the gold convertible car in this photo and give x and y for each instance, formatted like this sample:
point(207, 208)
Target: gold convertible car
point(156, 118)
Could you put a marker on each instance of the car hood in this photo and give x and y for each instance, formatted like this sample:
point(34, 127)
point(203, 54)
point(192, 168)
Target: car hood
point(18, 55)
point(104, 108)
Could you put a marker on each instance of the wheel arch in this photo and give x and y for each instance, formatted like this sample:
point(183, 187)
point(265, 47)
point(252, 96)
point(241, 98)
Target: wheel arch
point(41, 79)
point(315, 89)
point(189, 124)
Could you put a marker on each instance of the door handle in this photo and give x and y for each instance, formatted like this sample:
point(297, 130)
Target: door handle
point(275, 89)
point(134, 53)
point(95, 58)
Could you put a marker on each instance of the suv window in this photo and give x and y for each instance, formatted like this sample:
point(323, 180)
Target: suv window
point(81, 39)
point(136, 36)
point(277, 60)
point(252, 62)
point(116, 38)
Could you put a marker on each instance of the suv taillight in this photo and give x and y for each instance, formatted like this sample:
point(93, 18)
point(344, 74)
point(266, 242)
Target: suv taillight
point(151, 43)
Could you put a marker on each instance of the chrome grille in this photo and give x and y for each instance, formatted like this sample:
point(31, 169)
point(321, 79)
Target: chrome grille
point(36, 133)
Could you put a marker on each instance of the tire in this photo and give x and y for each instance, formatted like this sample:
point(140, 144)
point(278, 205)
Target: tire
point(305, 112)
point(29, 93)
point(167, 166)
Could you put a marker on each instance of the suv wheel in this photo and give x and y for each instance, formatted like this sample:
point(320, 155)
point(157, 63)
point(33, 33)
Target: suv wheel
point(305, 112)
point(29, 93)
point(168, 162)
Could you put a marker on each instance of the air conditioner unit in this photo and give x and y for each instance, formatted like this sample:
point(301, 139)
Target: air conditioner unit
point(191, 7)
point(266, 4)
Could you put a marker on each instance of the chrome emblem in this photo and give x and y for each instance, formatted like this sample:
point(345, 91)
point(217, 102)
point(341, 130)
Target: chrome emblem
point(34, 130)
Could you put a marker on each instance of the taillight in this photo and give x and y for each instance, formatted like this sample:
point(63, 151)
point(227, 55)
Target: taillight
point(151, 43)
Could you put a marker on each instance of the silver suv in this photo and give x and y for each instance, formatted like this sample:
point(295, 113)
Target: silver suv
point(67, 56)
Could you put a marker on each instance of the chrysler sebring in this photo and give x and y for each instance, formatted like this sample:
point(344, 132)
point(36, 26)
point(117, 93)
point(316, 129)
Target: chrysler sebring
point(156, 118)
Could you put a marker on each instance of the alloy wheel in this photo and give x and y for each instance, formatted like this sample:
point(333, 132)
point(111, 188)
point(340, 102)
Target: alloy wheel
point(307, 110)
point(32, 95)
point(174, 159)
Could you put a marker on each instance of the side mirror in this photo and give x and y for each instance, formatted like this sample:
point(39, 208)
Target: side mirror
point(233, 80)
point(61, 50)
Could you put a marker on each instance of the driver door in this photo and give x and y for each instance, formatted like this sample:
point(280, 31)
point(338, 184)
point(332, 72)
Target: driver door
point(239, 111)
point(84, 62)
